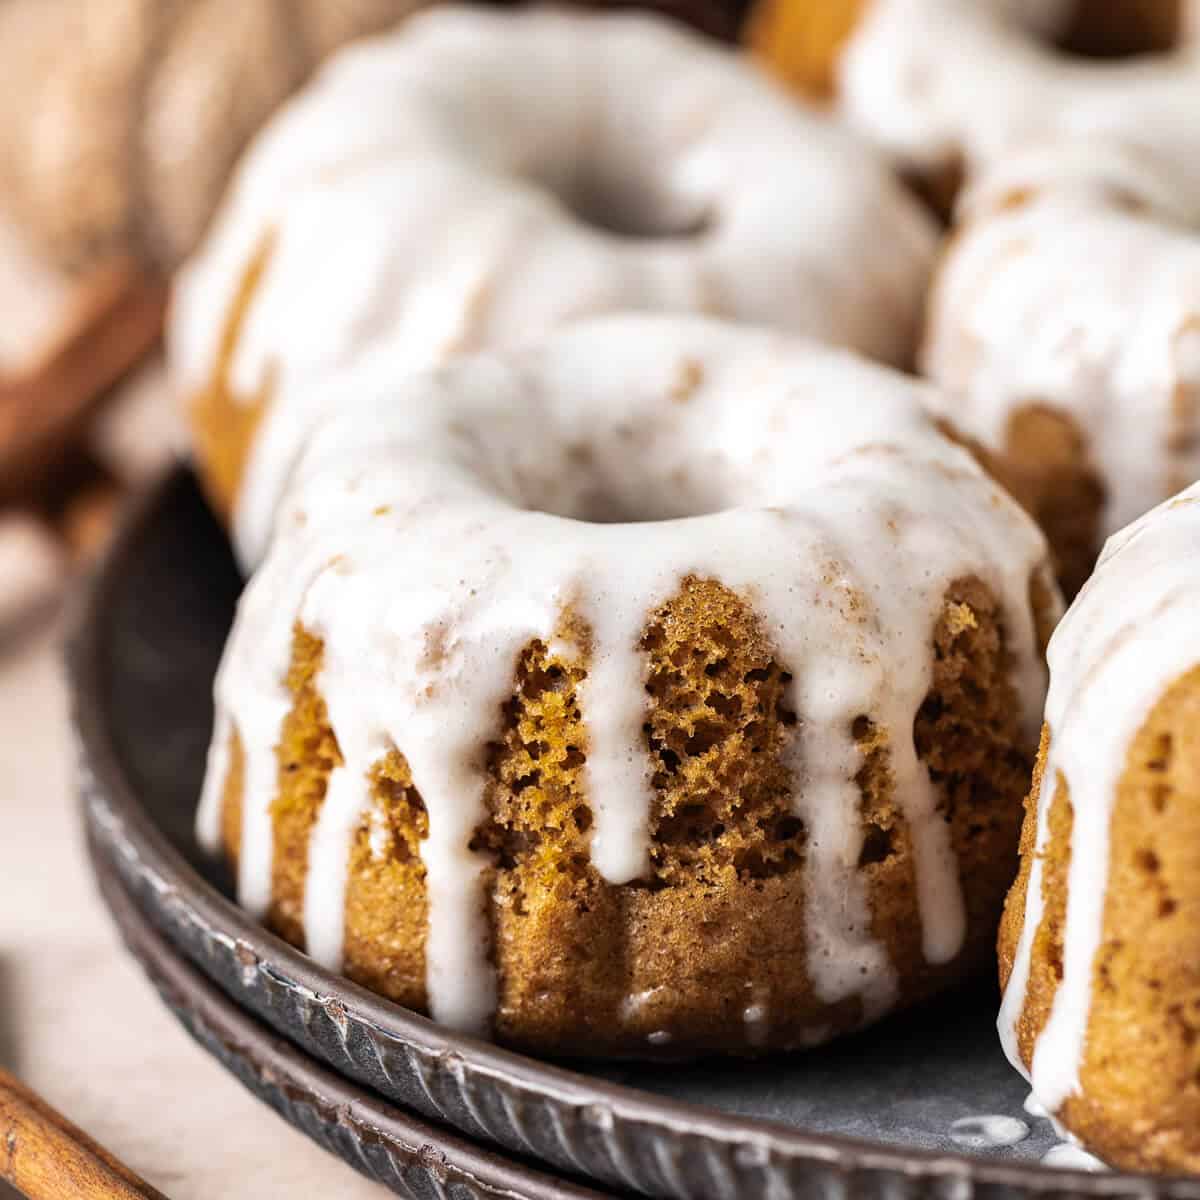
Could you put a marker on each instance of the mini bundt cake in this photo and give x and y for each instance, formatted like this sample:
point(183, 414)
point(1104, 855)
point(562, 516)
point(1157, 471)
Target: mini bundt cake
point(945, 86)
point(1064, 328)
point(480, 176)
point(663, 687)
point(1102, 988)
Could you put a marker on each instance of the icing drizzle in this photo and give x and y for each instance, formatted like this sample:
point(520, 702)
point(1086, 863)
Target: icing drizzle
point(991, 1131)
point(1069, 1157)
point(435, 526)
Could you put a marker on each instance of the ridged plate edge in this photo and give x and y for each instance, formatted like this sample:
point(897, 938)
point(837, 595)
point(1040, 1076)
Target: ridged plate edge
point(386, 1145)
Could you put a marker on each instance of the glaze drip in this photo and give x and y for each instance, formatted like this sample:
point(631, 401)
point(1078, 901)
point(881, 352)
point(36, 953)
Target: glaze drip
point(1068, 1157)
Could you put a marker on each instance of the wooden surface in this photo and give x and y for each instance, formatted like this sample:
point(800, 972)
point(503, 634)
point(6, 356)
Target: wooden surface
point(78, 1022)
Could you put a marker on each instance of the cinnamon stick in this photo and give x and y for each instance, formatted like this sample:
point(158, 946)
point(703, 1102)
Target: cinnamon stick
point(45, 1157)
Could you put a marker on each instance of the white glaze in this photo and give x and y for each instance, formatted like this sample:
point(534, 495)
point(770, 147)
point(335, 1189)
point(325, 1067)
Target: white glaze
point(418, 194)
point(1068, 1157)
point(933, 80)
point(1121, 645)
point(437, 525)
point(1074, 301)
point(991, 1131)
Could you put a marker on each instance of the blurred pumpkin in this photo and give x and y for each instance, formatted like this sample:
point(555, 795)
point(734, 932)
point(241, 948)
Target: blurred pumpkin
point(122, 119)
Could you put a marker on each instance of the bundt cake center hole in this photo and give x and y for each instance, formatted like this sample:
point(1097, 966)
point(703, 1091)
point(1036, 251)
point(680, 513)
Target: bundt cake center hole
point(621, 208)
point(608, 510)
point(1101, 29)
point(599, 501)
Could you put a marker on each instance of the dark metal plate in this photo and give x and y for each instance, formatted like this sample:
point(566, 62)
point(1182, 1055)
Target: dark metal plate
point(868, 1117)
point(377, 1139)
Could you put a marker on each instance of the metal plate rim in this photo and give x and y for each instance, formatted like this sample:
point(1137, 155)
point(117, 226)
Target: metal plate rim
point(345, 1114)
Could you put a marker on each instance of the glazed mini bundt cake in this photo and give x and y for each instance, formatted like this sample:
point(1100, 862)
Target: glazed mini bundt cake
point(1102, 978)
point(480, 176)
point(664, 687)
point(1064, 328)
point(945, 86)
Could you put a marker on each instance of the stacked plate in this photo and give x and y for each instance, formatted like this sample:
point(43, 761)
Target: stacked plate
point(897, 1112)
